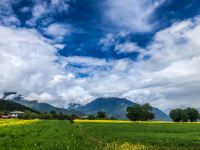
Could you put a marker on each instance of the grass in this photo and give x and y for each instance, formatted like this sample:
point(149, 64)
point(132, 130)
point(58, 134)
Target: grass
point(99, 135)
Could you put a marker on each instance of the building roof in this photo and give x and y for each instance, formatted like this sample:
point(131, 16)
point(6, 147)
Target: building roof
point(17, 112)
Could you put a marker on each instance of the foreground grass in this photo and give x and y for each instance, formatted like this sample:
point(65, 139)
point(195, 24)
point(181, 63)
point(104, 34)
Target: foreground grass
point(99, 135)
point(43, 135)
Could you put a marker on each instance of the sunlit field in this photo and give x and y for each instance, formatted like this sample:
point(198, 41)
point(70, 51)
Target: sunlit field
point(97, 135)
point(15, 122)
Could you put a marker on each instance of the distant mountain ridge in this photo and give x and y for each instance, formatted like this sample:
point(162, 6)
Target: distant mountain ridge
point(44, 107)
point(114, 107)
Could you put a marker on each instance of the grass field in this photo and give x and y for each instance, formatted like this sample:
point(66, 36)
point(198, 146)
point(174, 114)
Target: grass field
point(99, 135)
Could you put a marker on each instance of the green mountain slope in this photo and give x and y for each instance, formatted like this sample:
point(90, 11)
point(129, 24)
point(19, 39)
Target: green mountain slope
point(44, 107)
point(115, 107)
point(7, 106)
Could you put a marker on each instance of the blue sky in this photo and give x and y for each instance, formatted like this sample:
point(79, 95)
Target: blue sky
point(66, 51)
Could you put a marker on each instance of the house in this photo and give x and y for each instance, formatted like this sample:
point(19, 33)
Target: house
point(15, 114)
point(5, 116)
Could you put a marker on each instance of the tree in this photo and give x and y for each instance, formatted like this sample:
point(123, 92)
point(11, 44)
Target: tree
point(140, 112)
point(178, 115)
point(135, 112)
point(101, 115)
point(91, 117)
point(193, 114)
point(148, 114)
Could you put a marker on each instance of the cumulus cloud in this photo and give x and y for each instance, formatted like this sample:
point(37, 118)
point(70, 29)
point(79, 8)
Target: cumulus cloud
point(132, 15)
point(58, 31)
point(169, 78)
point(28, 62)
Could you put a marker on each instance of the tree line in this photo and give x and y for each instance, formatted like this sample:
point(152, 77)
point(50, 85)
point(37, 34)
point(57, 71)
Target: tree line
point(184, 115)
point(47, 116)
point(144, 113)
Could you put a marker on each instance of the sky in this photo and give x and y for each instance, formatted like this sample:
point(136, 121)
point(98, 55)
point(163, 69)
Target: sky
point(73, 51)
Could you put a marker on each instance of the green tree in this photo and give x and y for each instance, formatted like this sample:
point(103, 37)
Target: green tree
point(193, 114)
point(91, 117)
point(178, 115)
point(140, 112)
point(101, 115)
point(148, 114)
point(135, 112)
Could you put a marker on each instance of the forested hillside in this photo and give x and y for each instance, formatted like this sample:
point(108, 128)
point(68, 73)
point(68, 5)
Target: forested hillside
point(7, 106)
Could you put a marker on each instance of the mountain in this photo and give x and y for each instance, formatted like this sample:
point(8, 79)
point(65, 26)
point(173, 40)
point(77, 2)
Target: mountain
point(114, 107)
point(7, 106)
point(44, 107)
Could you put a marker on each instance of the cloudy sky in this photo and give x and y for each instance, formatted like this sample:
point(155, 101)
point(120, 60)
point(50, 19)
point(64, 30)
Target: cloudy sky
point(72, 51)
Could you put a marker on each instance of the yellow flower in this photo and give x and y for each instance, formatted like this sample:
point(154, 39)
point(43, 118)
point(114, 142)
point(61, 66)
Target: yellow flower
point(12, 122)
point(125, 146)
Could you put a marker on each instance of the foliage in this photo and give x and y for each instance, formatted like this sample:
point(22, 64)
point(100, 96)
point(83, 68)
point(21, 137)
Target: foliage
point(91, 117)
point(178, 115)
point(7, 106)
point(28, 115)
point(140, 112)
point(101, 115)
point(45, 116)
point(193, 114)
point(185, 115)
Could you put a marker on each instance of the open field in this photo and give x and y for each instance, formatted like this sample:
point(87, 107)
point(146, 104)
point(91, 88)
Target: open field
point(62, 135)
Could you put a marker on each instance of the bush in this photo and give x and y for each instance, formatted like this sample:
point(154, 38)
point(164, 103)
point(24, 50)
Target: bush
point(46, 116)
point(28, 115)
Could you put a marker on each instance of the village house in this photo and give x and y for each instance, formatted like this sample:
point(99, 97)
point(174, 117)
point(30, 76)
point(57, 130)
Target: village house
point(15, 114)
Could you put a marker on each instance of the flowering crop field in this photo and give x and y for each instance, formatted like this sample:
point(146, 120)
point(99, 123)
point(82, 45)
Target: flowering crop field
point(97, 135)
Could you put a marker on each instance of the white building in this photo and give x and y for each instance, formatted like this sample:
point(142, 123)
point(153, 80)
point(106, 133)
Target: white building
point(15, 114)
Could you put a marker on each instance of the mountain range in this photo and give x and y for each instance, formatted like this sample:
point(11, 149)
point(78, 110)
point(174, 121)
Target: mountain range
point(115, 107)
point(44, 107)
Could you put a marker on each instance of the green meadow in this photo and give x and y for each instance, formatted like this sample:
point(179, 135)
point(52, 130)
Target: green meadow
point(63, 135)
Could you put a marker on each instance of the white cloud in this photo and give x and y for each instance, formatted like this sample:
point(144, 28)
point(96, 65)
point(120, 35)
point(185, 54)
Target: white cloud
point(58, 31)
point(111, 40)
point(128, 47)
point(43, 11)
point(169, 78)
point(132, 15)
point(27, 62)
point(7, 15)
